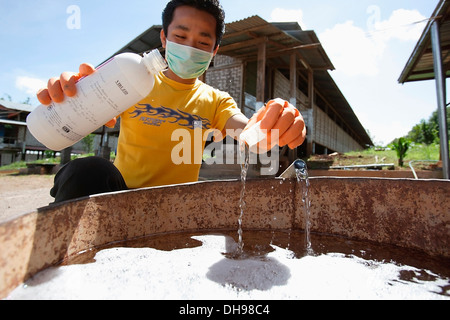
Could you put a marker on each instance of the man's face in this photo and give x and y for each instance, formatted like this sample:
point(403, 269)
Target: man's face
point(192, 27)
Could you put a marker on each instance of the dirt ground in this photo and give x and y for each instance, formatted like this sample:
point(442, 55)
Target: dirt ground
point(20, 194)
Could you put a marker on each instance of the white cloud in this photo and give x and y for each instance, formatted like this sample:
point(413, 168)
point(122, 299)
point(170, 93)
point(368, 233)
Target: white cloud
point(288, 15)
point(368, 61)
point(355, 51)
point(350, 50)
point(405, 25)
point(30, 85)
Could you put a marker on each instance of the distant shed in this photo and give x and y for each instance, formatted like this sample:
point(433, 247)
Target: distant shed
point(258, 60)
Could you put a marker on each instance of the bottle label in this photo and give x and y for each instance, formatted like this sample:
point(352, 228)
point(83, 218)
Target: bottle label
point(103, 95)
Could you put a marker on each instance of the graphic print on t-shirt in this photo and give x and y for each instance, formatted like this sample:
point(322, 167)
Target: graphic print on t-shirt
point(156, 116)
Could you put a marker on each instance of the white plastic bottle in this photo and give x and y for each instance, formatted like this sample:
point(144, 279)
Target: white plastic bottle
point(115, 86)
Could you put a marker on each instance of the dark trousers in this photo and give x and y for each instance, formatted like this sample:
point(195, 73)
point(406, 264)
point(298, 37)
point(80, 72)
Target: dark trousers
point(86, 176)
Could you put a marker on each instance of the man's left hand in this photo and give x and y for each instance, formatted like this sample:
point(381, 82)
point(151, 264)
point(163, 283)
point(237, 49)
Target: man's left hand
point(283, 122)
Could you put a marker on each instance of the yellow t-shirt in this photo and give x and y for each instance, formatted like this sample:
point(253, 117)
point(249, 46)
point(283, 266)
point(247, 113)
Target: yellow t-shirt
point(162, 137)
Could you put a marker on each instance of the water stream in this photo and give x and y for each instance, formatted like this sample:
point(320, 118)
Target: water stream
point(301, 172)
point(244, 158)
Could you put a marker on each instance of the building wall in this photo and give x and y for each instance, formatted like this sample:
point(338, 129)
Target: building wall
point(330, 135)
point(326, 132)
point(282, 89)
point(227, 75)
point(16, 138)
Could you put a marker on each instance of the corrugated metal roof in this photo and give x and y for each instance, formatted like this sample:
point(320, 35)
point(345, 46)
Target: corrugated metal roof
point(148, 40)
point(17, 106)
point(420, 64)
point(241, 39)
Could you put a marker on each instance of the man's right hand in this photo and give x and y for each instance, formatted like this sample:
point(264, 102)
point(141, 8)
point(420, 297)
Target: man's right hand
point(57, 89)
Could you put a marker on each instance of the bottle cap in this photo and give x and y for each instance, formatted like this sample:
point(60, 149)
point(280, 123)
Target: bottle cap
point(154, 61)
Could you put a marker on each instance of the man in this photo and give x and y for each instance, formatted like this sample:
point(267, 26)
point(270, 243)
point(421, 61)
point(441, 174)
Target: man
point(192, 30)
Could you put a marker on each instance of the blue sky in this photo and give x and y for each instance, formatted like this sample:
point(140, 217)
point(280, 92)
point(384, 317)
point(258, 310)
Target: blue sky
point(368, 42)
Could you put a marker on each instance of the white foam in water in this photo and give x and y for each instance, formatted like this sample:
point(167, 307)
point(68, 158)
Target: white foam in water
point(205, 273)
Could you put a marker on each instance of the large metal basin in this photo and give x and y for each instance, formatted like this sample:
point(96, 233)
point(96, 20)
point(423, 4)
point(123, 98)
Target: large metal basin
point(408, 213)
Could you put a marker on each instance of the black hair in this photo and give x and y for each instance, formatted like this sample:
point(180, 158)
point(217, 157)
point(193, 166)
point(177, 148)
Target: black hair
point(212, 7)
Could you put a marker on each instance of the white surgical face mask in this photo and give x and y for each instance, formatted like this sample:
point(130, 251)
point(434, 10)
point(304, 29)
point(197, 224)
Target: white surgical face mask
point(187, 62)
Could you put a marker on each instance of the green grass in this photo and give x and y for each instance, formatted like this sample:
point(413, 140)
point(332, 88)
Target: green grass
point(14, 166)
point(415, 152)
point(23, 164)
point(424, 152)
point(379, 155)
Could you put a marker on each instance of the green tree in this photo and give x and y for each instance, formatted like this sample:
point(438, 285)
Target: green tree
point(427, 132)
point(401, 147)
point(434, 120)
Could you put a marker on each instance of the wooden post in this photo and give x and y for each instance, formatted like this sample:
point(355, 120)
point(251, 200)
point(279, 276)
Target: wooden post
point(310, 135)
point(293, 94)
point(261, 74)
point(65, 155)
point(293, 79)
point(311, 88)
